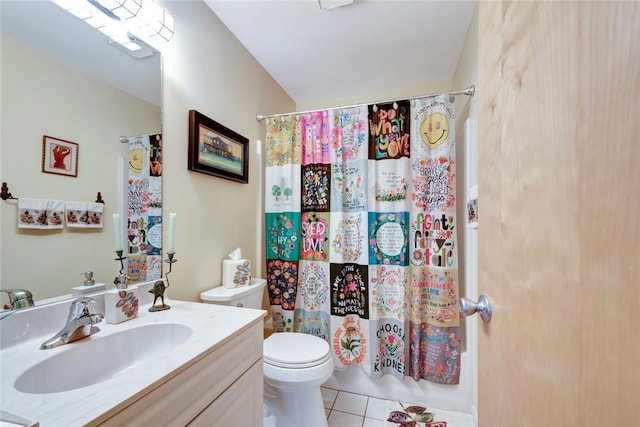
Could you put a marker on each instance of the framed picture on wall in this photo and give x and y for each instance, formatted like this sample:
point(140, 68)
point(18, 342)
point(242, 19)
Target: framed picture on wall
point(59, 156)
point(217, 150)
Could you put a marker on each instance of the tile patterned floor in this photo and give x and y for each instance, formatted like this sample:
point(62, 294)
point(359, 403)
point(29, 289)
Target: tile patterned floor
point(355, 410)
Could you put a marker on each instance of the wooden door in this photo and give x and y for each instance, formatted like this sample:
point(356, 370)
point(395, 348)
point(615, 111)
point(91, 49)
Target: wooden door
point(559, 213)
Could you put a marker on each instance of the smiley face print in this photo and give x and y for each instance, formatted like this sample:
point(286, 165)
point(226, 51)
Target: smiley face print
point(434, 130)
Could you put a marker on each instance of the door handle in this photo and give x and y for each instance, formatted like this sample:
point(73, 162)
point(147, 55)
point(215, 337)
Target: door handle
point(468, 307)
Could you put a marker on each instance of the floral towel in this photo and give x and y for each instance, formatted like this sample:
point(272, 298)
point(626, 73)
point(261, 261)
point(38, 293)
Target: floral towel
point(55, 213)
point(94, 215)
point(84, 214)
point(40, 213)
point(411, 415)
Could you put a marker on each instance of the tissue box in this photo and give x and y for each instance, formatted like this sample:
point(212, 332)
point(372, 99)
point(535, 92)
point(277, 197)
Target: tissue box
point(121, 304)
point(235, 272)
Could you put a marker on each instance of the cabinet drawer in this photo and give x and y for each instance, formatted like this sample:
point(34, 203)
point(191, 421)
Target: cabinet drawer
point(182, 397)
point(239, 405)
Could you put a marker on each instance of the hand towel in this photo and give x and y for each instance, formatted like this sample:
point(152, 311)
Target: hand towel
point(32, 213)
point(94, 214)
point(76, 214)
point(55, 213)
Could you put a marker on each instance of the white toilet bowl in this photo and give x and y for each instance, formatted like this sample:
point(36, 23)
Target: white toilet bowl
point(295, 366)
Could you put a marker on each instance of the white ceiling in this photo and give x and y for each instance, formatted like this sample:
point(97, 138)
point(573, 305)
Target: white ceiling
point(314, 54)
point(368, 46)
point(43, 26)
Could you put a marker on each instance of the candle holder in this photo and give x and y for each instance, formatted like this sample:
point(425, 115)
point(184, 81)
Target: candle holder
point(122, 280)
point(159, 286)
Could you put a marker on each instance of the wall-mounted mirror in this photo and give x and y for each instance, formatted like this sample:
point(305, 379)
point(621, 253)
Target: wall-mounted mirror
point(62, 78)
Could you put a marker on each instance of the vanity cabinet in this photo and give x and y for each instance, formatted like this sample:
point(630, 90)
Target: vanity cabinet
point(221, 388)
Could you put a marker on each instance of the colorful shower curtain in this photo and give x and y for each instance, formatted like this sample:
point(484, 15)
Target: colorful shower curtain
point(144, 222)
point(361, 235)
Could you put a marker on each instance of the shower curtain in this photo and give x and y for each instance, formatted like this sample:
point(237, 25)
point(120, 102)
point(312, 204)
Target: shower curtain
point(144, 213)
point(360, 226)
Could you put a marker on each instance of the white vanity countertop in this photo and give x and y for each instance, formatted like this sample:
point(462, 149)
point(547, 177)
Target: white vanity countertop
point(212, 326)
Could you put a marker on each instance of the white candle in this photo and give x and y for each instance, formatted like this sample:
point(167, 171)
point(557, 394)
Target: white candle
point(117, 230)
point(172, 233)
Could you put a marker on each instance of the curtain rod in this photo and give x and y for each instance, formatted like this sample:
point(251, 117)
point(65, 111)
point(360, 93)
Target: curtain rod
point(125, 139)
point(469, 91)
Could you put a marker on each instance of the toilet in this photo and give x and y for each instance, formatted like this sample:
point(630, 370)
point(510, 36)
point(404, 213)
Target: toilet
point(295, 365)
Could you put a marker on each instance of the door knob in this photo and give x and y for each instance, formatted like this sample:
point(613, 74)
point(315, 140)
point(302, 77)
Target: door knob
point(467, 307)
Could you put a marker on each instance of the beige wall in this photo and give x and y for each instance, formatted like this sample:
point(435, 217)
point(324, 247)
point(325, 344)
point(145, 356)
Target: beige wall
point(39, 97)
point(208, 70)
point(467, 107)
point(382, 95)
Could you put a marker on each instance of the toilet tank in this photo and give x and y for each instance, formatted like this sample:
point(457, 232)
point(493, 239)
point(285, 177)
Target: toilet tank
point(249, 296)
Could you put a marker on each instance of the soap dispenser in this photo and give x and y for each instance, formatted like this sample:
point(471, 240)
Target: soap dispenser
point(90, 286)
point(121, 304)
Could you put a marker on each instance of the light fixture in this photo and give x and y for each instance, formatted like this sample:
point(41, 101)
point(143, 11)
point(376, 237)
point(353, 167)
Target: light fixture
point(332, 4)
point(135, 25)
point(132, 45)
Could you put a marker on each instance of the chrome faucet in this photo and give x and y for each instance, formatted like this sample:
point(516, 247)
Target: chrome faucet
point(80, 323)
point(19, 298)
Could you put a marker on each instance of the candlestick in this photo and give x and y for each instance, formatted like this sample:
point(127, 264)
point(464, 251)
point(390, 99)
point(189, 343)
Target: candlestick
point(121, 280)
point(160, 286)
point(117, 230)
point(172, 233)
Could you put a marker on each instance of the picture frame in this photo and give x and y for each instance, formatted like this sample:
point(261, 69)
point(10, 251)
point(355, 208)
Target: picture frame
point(217, 150)
point(59, 157)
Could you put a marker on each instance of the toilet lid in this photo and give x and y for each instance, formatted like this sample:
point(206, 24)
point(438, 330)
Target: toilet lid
point(295, 350)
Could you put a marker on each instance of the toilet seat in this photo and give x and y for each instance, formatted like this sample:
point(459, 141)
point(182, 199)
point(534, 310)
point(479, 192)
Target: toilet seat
point(295, 350)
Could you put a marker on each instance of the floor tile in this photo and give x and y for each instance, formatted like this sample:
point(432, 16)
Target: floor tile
point(377, 408)
point(342, 419)
point(328, 397)
point(344, 409)
point(351, 403)
point(370, 422)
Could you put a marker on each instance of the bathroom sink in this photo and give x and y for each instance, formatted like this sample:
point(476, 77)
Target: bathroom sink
point(99, 358)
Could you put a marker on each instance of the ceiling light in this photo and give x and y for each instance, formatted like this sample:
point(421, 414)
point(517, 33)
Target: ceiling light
point(332, 4)
point(133, 46)
point(144, 21)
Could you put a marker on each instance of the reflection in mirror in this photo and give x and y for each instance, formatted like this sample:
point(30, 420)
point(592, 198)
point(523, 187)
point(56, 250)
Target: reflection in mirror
point(61, 78)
